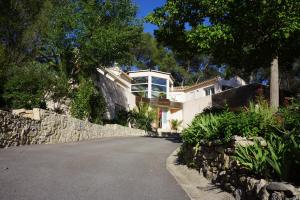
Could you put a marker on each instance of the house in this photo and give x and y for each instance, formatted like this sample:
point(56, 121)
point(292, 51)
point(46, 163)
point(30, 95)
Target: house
point(125, 90)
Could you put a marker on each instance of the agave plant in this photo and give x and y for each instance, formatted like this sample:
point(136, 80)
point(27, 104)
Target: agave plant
point(175, 124)
point(142, 116)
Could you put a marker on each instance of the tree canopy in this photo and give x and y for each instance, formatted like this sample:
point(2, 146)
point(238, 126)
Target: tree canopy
point(246, 35)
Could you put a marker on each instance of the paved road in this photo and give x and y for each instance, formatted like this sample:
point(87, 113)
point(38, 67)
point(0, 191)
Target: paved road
point(105, 169)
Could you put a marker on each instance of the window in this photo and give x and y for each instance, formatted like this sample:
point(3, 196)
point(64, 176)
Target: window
point(139, 86)
point(158, 87)
point(209, 91)
point(142, 79)
point(159, 81)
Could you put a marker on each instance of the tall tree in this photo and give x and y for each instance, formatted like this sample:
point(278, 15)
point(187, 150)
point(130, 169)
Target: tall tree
point(244, 34)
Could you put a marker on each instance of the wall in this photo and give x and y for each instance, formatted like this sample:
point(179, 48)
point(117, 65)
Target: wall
point(216, 162)
point(194, 107)
point(54, 128)
point(115, 95)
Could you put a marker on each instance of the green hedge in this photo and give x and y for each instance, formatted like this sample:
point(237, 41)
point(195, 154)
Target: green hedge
point(280, 159)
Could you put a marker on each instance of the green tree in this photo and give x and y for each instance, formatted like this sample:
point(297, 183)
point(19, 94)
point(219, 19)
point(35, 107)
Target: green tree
point(88, 103)
point(27, 86)
point(244, 34)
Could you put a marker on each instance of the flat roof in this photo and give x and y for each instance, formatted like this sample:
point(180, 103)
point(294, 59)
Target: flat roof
point(150, 70)
point(196, 86)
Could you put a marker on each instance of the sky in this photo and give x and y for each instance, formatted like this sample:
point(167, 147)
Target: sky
point(145, 7)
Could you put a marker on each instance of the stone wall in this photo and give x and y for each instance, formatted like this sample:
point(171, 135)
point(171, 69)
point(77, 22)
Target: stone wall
point(215, 161)
point(52, 128)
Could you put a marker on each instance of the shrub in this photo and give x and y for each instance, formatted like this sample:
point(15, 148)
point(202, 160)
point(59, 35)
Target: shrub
point(142, 116)
point(26, 86)
point(88, 103)
point(203, 127)
point(175, 124)
point(279, 160)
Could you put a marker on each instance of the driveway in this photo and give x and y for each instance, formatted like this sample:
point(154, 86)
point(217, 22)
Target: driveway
point(106, 169)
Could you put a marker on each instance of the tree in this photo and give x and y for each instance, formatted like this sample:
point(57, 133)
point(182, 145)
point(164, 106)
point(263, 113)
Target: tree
point(149, 54)
point(26, 86)
point(88, 103)
point(246, 35)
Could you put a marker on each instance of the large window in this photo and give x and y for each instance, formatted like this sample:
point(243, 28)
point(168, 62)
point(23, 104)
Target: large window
point(209, 91)
point(139, 86)
point(159, 87)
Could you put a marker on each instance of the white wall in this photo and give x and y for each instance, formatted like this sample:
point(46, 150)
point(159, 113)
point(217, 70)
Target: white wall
point(194, 107)
point(177, 96)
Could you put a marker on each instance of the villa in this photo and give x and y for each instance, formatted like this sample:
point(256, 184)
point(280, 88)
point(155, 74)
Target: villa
point(125, 90)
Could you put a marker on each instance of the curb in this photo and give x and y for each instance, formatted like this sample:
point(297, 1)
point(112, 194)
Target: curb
point(193, 183)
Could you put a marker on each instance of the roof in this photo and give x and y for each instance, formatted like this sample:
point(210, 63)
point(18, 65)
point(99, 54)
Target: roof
point(196, 86)
point(150, 70)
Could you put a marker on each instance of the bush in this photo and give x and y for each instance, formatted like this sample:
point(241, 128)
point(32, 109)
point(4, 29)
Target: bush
point(88, 103)
point(279, 160)
point(26, 86)
point(175, 124)
point(203, 127)
point(142, 116)
point(257, 120)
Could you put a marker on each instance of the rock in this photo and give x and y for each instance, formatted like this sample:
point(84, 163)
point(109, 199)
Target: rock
point(222, 173)
point(276, 196)
point(220, 149)
point(238, 194)
point(263, 194)
point(242, 179)
point(288, 189)
point(251, 182)
point(260, 185)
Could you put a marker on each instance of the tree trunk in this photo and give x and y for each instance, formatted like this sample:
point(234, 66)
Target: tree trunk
point(274, 88)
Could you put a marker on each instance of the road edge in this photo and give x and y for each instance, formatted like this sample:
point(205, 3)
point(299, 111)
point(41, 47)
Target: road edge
point(192, 182)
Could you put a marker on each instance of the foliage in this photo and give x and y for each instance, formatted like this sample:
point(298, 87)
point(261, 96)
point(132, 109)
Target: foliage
point(175, 124)
point(253, 158)
point(142, 116)
point(279, 159)
point(27, 86)
point(217, 27)
point(88, 103)
point(253, 121)
point(203, 127)
point(122, 117)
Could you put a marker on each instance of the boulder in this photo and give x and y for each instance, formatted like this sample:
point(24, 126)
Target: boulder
point(288, 189)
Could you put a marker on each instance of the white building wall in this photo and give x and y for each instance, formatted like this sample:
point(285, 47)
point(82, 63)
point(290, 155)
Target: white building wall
point(194, 107)
point(177, 96)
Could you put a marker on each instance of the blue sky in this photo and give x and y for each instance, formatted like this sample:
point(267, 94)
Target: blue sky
point(145, 7)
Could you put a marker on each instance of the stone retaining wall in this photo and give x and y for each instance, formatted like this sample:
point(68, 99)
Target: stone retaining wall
point(52, 128)
point(216, 163)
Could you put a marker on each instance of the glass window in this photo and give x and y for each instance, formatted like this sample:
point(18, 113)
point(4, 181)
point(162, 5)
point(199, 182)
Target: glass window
point(139, 87)
point(159, 88)
point(158, 95)
point(209, 91)
point(141, 93)
point(143, 79)
point(159, 81)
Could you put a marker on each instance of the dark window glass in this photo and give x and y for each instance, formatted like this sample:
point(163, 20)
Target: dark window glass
point(209, 91)
point(140, 87)
point(143, 79)
point(158, 95)
point(159, 88)
point(159, 81)
point(141, 93)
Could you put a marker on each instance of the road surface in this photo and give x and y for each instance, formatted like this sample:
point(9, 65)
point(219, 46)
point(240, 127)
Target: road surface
point(131, 168)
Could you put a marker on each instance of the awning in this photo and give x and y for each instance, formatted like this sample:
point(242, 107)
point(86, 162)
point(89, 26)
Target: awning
point(159, 102)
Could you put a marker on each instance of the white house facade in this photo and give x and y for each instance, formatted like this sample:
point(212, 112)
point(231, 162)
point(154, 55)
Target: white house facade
point(157, 89)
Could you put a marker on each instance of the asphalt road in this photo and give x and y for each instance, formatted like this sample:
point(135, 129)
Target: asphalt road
point(106, 169)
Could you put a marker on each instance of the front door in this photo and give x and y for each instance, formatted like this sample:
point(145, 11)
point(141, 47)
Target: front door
point(164, 118)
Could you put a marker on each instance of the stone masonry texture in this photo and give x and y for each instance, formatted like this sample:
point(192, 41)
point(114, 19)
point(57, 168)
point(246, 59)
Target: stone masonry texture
point(52, 128)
